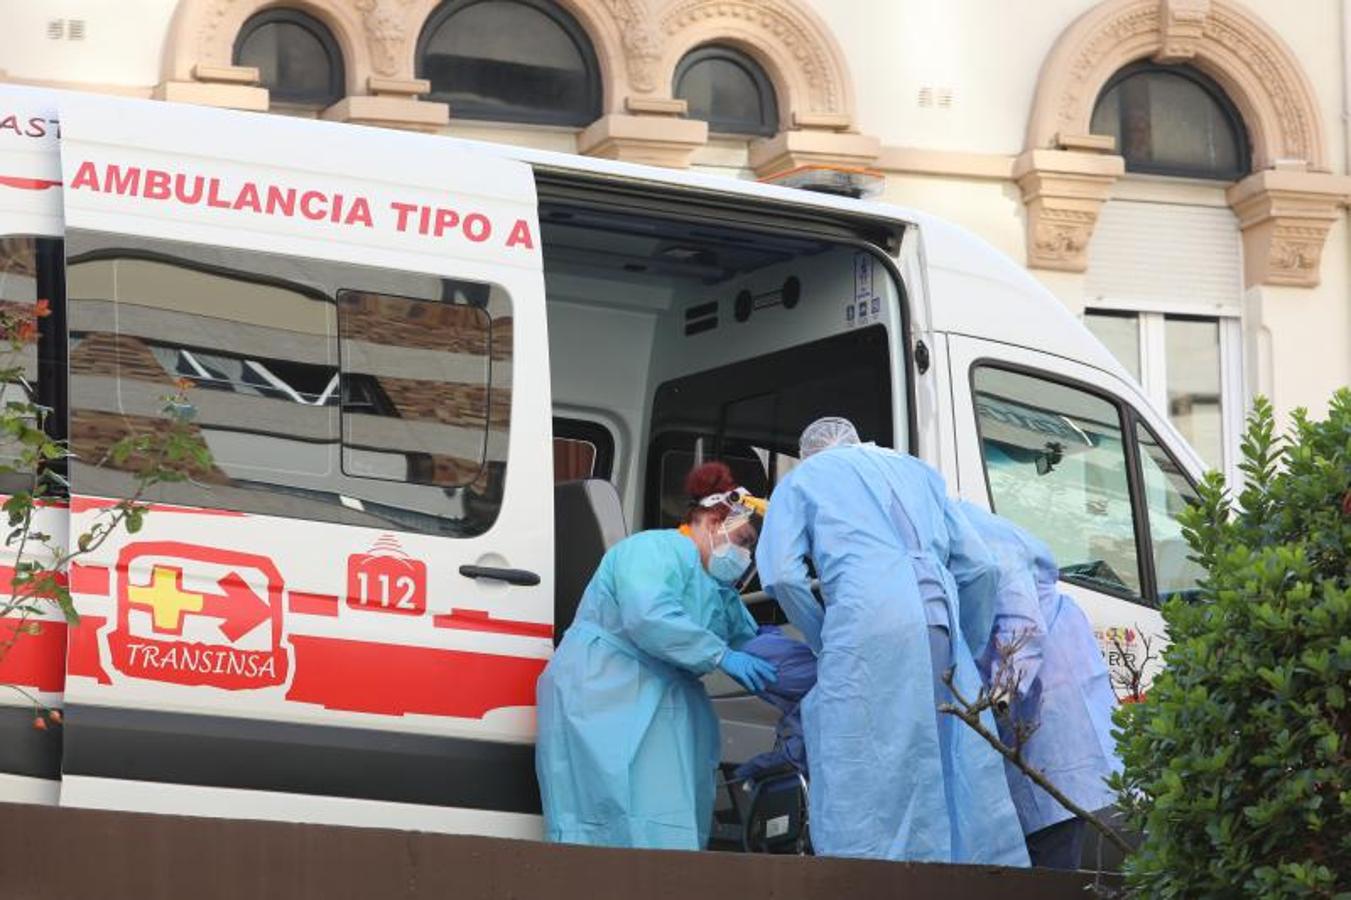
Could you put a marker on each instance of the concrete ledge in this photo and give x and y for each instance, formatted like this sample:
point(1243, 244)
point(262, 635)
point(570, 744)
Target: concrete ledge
point(206, 93)
point(226, 74)
point(657, 140)
point(390, 112)
point(948, 163)
point(48, 853)
point(788, 150)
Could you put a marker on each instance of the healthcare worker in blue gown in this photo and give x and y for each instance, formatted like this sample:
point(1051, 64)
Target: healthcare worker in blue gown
point(1059, 681)
point(891, 776)
point(628, 740)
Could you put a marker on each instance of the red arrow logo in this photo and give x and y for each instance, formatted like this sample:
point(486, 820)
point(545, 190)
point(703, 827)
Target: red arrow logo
point(239, 608)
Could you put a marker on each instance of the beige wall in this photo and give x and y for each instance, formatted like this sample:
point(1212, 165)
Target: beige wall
point(978, 63)
point(122, 47)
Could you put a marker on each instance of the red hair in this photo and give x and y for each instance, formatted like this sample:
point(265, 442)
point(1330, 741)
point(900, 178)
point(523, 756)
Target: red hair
point(710, 478)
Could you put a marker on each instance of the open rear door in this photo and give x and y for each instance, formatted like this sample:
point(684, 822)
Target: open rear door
point(32, 662)
point(344, 618)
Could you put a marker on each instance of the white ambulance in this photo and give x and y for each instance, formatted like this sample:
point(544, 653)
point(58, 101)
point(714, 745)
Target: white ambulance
point(437, 379)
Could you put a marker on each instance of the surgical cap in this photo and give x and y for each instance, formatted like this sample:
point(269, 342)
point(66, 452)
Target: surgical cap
point(831, 431)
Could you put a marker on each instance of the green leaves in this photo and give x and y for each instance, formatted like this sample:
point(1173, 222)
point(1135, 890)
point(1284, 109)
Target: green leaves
point(1236, 765)
point(172, 451)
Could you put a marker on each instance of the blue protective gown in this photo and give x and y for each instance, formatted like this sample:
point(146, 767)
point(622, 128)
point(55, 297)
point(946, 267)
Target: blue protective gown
point(1063, 683)
point(628, 739)
point(891, 777)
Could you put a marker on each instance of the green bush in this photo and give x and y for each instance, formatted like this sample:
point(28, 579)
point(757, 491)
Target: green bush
point(1238, 762)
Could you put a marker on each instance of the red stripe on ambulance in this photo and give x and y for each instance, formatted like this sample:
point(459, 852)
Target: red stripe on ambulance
point(90, 579)
point(478, 620)
point(309, 604)
point(386, 679)
point(82, 650)
point(34, 660)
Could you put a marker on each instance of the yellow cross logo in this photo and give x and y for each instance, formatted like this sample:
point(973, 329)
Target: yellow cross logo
point(166, 598)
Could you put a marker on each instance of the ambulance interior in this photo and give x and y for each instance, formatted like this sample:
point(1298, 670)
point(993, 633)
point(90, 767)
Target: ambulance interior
point(680, 339)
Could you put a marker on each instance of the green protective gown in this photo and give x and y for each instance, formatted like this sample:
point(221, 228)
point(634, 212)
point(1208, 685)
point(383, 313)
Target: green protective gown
point(628, 740)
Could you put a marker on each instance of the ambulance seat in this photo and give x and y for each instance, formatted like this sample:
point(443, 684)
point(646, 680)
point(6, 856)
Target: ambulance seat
point(588, 520)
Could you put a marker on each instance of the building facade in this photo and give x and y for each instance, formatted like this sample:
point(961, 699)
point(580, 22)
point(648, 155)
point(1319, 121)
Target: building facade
point(1175, 171)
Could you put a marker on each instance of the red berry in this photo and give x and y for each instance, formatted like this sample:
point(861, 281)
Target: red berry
point(40, 723)
point(54, 715)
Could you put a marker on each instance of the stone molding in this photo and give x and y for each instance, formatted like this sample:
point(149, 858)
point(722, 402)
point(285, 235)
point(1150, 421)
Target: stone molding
point(1285, 217)
point(228, 86)
point(796, 49)
point(1064, 192)
point(390, 111)
point(789, 150)
point(1284, 222)
point(638, 44)
point(945, 163)
point(650, 139)
point(1246, 57)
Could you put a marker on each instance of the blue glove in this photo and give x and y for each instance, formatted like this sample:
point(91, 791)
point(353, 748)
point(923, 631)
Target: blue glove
point(751, 672)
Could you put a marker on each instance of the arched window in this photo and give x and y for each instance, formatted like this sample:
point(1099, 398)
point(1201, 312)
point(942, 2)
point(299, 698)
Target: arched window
point(728, 90)
point(1172, 120)
point(296, 55)
point(510, 61)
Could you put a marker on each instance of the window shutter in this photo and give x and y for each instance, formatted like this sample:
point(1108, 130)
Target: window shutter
point(1183, 256)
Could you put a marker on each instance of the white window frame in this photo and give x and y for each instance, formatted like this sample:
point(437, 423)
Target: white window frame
point(1153, 365)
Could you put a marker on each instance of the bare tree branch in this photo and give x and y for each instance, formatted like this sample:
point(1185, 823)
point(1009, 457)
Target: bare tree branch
point(1133, 682)
point(997, 697)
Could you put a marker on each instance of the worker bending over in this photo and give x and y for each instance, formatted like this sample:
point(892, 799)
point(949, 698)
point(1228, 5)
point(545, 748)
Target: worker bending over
point(891, 776)
point(628, 740)
point(1060, 686)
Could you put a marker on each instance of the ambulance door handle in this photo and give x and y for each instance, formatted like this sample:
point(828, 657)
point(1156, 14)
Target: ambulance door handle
point(510, 576)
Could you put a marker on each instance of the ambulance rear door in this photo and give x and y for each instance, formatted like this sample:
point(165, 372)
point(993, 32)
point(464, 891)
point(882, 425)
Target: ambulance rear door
point(32, 662)
point(344, 617)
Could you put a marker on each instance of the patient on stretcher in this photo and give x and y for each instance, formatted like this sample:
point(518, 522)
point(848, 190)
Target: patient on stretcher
point(796, 666)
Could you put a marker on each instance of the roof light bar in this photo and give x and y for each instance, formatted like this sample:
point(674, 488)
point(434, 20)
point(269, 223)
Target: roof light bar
point(840, 180)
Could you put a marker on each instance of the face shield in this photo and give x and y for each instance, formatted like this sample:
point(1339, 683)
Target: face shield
point(732, 552)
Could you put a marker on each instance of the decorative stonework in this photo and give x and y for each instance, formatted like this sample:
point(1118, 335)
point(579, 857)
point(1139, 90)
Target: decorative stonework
point(1064, 192)
point(798, 51)
point(641, 42)
point(1182, 23)
point(790, 150)
point(638, 44)
point(1245, 56)
point(1285, 217)
point(203, 33)
point(386, 26)
point(649, 139)
point(1284, 222)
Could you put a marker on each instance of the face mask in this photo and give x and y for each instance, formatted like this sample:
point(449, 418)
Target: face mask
point(728, 562)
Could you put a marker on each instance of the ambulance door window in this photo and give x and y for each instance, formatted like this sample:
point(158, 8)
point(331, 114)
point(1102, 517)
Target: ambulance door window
point(1056, 464)
point(18, 331)
point(750, 413)
point(582, 449)
point(32, 331)
point(418, 401)
point(1167, 493)
point(324, 391)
